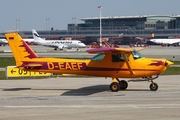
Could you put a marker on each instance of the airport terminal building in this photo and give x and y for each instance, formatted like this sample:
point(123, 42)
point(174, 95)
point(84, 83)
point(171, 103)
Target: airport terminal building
point(122, 29)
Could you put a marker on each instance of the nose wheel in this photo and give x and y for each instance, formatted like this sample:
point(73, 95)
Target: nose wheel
point(153, 86)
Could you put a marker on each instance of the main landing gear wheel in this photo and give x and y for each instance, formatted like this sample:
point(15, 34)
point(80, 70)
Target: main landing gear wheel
point(123, 84)
point(114, 87)
point(153, 86)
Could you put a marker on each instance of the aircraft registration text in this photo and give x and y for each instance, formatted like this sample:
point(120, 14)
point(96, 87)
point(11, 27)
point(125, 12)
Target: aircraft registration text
point(66, 65)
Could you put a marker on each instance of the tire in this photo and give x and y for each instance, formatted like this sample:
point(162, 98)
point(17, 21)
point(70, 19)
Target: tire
point(114, 87)
point(123, 85)
point(153, 87)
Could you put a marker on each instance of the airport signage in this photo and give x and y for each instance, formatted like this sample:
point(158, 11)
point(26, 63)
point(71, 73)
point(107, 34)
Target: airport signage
point(13, 71)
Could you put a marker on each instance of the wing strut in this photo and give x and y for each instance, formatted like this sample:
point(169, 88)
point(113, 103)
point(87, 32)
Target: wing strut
point(128, 65)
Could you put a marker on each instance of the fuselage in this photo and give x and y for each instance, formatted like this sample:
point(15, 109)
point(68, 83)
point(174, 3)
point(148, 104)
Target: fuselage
point(29, 40)
point(3, 42)
point(165, 41)
point(106, 67)
point(64, 43)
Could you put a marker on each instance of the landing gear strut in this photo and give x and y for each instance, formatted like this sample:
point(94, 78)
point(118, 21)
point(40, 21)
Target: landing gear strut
point(123, 84)
point(153, 86)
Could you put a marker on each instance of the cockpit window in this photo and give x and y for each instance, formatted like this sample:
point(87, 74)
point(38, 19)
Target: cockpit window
point(119, 57)
point(99, 57)
point(136, 54)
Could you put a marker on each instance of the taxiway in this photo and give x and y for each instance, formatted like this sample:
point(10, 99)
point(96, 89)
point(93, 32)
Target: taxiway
point(88, 98)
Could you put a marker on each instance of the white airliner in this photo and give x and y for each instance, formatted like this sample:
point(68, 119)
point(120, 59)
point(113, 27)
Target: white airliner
point(57, 44)
point(28, 40)
point(3, 42)
point(165, 41)
point(169, 41)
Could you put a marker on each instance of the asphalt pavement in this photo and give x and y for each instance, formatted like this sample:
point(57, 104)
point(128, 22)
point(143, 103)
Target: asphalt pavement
point(88, 99)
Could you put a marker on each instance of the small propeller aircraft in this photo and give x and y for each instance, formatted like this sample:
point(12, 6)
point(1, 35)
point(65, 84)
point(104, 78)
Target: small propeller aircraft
point(107, 62)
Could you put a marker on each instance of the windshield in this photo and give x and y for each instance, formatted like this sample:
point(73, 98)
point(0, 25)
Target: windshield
point(136, 54)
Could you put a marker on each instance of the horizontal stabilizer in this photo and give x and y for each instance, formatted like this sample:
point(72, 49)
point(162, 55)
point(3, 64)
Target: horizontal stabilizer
point(33, 65)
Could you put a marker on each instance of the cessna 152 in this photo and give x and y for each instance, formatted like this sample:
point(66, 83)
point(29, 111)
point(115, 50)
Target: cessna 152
point(108, 62)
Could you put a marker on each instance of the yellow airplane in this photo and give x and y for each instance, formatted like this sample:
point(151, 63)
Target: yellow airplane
point(108, 62)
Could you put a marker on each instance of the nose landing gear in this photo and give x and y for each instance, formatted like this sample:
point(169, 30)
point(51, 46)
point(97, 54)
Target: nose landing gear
point(153, 86)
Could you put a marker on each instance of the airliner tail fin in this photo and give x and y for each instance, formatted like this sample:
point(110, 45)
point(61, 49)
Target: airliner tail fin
point(153, 35)
point(35, 35)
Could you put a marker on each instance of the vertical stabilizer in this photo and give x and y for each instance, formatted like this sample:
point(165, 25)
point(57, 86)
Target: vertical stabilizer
point(37, 39)
point(153, 35)
point(35, 35)
point(20, 49)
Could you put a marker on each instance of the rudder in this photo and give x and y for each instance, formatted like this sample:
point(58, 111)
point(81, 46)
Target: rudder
point(37, 39)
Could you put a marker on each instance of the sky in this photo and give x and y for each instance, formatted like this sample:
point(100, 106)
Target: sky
point(44, 14)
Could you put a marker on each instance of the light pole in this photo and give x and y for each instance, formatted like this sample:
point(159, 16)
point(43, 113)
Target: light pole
point(100, 39)
point(75, 28)
point(17, 24)
point(47, 26)
point(47, 23)
point(74, 25)
point(112, 29)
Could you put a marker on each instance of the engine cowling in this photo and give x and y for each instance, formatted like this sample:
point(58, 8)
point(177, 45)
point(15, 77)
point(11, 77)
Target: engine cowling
point(60, 47)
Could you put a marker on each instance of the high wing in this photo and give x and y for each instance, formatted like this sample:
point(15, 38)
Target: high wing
point(98, 50)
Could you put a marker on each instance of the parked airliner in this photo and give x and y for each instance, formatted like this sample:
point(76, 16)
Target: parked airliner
point(57, 44)
point(3, 42)
point(165, 41)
